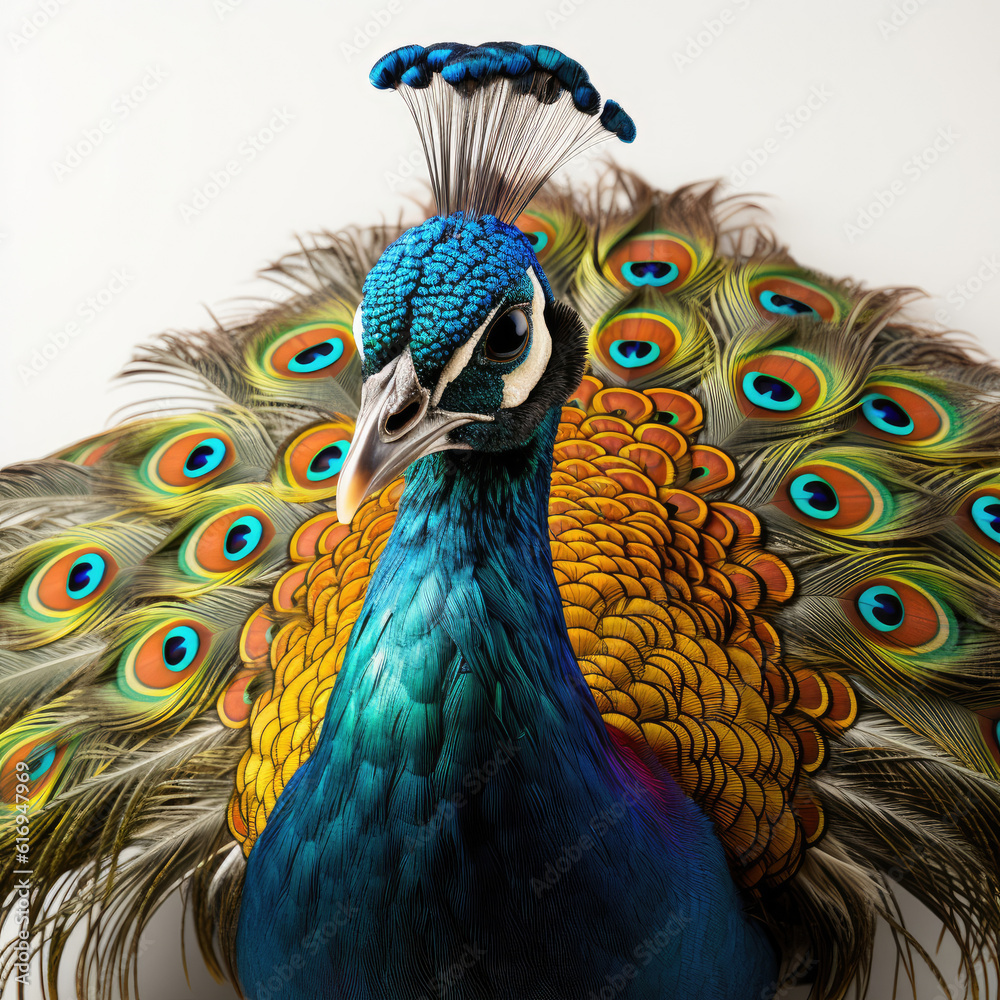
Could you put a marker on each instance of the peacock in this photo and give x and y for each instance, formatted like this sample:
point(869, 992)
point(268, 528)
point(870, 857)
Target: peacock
point(568, 596)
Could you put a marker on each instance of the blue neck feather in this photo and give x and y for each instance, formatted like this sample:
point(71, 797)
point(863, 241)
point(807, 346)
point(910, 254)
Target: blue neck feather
point(465, 806)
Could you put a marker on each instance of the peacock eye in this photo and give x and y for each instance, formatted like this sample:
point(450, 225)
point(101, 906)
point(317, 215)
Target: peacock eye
point(787, 294)
point(785, 305)
point(986, 516)
point(180, 647)
point(538, 240)
point(814, 496)
point(508, 336)
point(882, 608)
point(204, 458)
point(886, 414)
point(770, 392)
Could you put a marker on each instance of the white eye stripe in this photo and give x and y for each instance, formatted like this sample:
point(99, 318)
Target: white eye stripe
point(359, 333)
point(457, 362)
point(518, 383)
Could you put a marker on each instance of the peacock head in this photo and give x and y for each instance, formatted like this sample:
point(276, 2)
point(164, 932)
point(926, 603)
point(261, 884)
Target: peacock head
point(462, 346)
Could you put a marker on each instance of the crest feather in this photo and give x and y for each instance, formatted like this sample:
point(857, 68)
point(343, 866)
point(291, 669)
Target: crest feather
point(497, 120)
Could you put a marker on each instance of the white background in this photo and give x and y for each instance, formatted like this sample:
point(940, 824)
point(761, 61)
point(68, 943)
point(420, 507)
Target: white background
point(707, 81)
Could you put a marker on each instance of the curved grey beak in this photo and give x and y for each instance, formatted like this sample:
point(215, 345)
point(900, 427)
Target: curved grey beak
point(396, 425)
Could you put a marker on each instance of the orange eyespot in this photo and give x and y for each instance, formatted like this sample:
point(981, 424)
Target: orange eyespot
point(314, 350)
point(189, 460)
point(69, 582)
point(779, 385)
point(780, 295)
point(635, 344)
point(831, 497)
point(979, 516)
point(659, 260)
point(30, 770)
point(159, 663)
point(893, 412)
point(226, 542)
point(989, 726)
point(539, 231)
point(900, 615)
point(315, 457)
point(234, 705)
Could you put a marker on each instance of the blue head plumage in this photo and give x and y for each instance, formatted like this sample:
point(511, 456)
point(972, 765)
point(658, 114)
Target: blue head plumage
point(463, 345)
point(438, 283)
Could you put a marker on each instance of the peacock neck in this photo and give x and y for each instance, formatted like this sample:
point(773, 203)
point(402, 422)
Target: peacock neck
point(462, 633)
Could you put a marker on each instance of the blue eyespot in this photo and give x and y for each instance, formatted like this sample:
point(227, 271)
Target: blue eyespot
point(40, 760)
point(986, 514)
point(328, 462)
point(814, 496)
point(770, 392)
point(886, 414)
point(242, 538)
point(85, 575)
point(785, 305)
point(205, 458)
point(180, 647)
point(634, 353)
point(318, 356)
point(538, 240)
point(882, 608)
point(650, 272)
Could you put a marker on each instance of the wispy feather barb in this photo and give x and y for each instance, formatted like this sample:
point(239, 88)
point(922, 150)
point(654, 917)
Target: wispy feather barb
point(497, 120)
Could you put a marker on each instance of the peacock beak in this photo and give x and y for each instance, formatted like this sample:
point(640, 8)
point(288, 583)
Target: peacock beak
point(396, 425)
